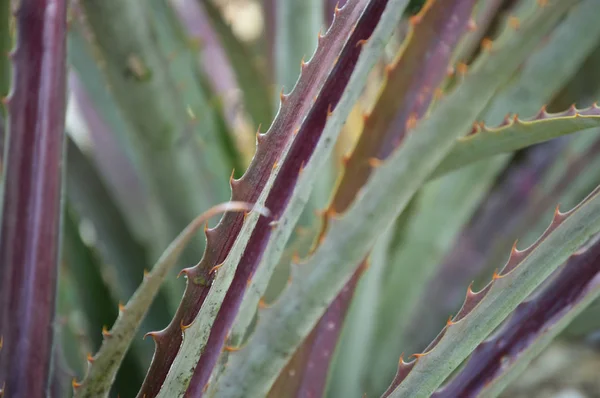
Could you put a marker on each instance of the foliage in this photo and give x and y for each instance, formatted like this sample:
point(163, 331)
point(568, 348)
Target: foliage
point(433, 134)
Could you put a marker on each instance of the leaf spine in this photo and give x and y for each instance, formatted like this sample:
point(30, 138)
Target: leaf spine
point(184, 327)
point(105, 332)
point(487, 44)
point(514, 22)
point(90, 358)
point(362, 42)
point(216, 267)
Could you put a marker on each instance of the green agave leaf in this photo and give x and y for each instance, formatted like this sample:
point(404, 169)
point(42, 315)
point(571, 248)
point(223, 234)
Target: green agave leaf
point(532, 326)
point(483, 311)
point(516, 134)
point(104, 365)
point(282, 327)
point(197, 334)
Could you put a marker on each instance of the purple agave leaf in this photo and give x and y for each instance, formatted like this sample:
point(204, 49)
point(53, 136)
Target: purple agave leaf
point(300, 152)
point(320, 79)
point(30, 230)
point(530, 320)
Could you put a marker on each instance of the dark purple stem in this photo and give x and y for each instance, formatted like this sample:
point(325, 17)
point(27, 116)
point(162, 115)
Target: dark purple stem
point(528, 322)
point(30, 230)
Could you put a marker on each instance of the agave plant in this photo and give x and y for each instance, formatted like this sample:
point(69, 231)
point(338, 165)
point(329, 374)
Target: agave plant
point(367, 244)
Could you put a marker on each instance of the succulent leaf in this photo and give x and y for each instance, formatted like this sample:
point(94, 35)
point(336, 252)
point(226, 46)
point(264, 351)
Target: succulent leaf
point(531, 327)
point(253, 369)
point(104, 365)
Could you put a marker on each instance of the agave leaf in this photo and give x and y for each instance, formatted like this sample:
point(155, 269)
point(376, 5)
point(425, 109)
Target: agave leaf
point(562, 45)
point(406, 94)
point(517, 134)
point(295, 107)
point(390, 188)
point(31, 208)
point(532, 326)
point(283, 196)
point(483, 311)
point(408, 84)
point(106, 362)
point(164, 129)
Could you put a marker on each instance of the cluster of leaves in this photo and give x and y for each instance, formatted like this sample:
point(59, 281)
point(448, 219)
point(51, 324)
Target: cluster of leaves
point(419, 141)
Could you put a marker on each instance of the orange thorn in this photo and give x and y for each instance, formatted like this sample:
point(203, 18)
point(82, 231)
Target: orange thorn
point(184, 271)
point(496, 275)
point(1, 342)
point(230, 348)
point(486, 44)
point(231, 177)
point(335, 61)
point(450, 71)
point(248, 282)
point(282, 96)
point(302, 63)
point(296, 131)
point(151, 334)
point(262, 303)
point(412, 121)
point(470, 288)
point(362, 42)
point(417, 356)
point(514, 247)
point(205, 227)
point(145, 273)
point(438, 93)
point(345, 159)
point(374, 162)
point(301, 168)
point(246, 215)
point(73, 383)
point(296, 258)
point(401, 360)
point(449, 321)
point(105, 332)
point(90, 358)
point(514, 22)
point(336, 10)
point(415, 19)
point(388, 69)
point(184, 327)
point(462, 68)
point(329, 111)
point(215, 268)
point(121, 307)
point(205, 388)
point(275, 165)
point(471, 25)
